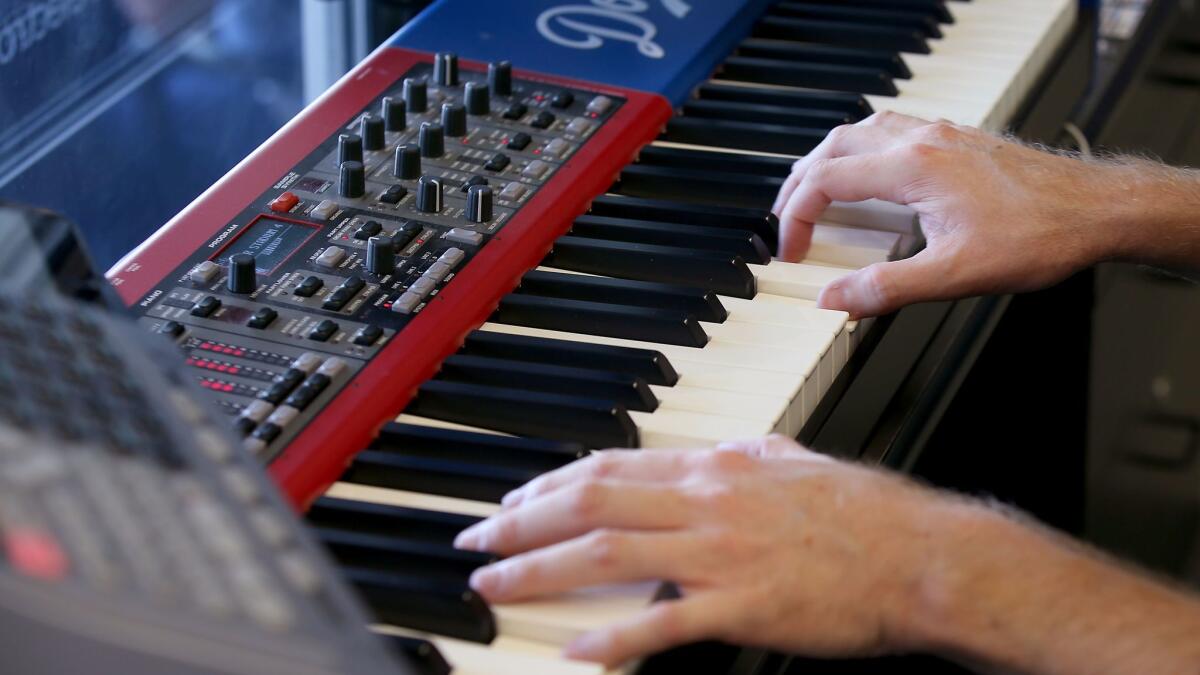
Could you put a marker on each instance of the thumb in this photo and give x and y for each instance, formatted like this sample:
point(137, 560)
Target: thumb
point(885, 287)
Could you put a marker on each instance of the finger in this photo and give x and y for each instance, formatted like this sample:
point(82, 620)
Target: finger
point(600, 557)
point(843, 141)
point(775, 446)
point(885, 287)
point(661, 626)
point(849, 179)
point(895, 121)
point(660, 465)
point(572, 511)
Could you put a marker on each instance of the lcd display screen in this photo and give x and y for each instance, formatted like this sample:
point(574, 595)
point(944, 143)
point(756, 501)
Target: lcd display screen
point(270, 241)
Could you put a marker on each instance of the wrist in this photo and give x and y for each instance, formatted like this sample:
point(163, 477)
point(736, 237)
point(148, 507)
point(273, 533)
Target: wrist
point(1147, 212)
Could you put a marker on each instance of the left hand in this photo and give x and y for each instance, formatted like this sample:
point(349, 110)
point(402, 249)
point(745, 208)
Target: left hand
point(770, 544)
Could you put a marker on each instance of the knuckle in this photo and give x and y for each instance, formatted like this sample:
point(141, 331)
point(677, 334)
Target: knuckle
point(923, 154)
point(729, 461)
point(602, 464)
point(939, 132)
point(669, 621)
point(506, 530)
point(881, 118)
point(880, 284)
point(838, 134)
point(587, 500)
point(818, 170)
point(605, 548)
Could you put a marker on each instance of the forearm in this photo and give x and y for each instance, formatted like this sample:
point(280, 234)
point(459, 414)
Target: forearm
point(1021, 599)
point(1148, 212)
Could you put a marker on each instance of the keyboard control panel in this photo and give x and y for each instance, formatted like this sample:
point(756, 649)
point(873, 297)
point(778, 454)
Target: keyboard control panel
point(280, 305)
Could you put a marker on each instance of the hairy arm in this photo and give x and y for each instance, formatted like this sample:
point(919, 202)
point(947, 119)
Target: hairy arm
point(998, 216)
point(774, 546)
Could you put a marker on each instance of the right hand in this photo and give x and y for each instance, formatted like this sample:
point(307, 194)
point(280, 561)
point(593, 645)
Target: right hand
point(998, 216)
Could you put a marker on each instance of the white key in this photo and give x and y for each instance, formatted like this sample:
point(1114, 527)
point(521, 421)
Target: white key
point(504, 656)
point(851, 246)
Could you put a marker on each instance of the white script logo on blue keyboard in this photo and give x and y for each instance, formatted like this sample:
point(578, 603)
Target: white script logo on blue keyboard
point(588, 26)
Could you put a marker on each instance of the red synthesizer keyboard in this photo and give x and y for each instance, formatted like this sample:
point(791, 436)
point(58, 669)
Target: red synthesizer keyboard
point(326, 277)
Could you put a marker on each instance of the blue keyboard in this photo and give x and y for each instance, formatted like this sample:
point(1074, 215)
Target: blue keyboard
point(661, 46)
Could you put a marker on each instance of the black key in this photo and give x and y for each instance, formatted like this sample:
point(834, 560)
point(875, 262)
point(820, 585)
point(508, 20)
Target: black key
point(593, 423)
point(761, 222)
point(434, 561)
point(532, 454)
point(368, 229)
point(699, 302)
point(817, 76)
point(368, 335)
point(324, 330)
point(889, 62)
point(515, 111)
point(520, 141)
point(542, 120)
point(421, 655)
point(766, 114)
point(308, 287)
point(712, 160)
point(843, 33)
point(206, 306)
point(726, 240)
point(699, 186)
point(868, 16)
point(719, 272)
point(647, 364)
point(264, 317)
point(562, 99)
point(775, 138)
point(432, 475)
point(935, 9)
point(852, 104)
point(413, 601)
point(630, 391)
point(371, 518)
point(660, 326)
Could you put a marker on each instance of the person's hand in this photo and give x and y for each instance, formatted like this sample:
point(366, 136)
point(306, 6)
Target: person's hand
point(998, 216)
point(770, 545)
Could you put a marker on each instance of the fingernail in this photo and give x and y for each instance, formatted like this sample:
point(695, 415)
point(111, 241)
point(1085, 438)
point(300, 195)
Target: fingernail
point(468, 538)
point(511, 499)
point(484, 581)
point(835, 295)
point(583, 647)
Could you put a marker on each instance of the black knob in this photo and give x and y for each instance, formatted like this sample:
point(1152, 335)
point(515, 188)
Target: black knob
point(445, 69)
point(381, 256)
point(416, 95)
point(429, 195)
point(479, 204)
point(454, 119)
point(476, 96)
point(370, 127)
point(432, 140)
point(407, 165)
point(349, 148)
point(394, 114)
point(243, 277)
point(500, 78)
point(352, 180)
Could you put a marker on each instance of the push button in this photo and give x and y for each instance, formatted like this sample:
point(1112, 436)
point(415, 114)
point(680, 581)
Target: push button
point(264, 317)
point(324, 210)
point(562, 99)
point(542, 120)
point(556, 148)
point(461, 236)
point(323, 331)
point(393, 194)
point(537, 170)
point(406, 303)
point(513, 192)
point(353, 284)
point(336, 300)
point(331, 256)
point(520, 141)
point(368, 229)
point(368, 335)
point(205, 272)
point(308, 287)
point(498, 162)
point(473, 180)
point(206, 306)
point(579, 127)
point(171, 328)
point(284, 202)
point(599, 105)
point(515, 111)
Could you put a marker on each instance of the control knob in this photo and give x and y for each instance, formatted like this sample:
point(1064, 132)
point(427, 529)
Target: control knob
point(350, 148)
point(429, 195)
point(432, 140)
point(370, 127)
point(407, 165)
point(352, 180)
point(243, 275)
point(476, 96)
point(454, 119)
point(445, 69)
point(393, 111)
point(500, 78)
point(479, 204)
point(381, 256)
point(416, 95)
